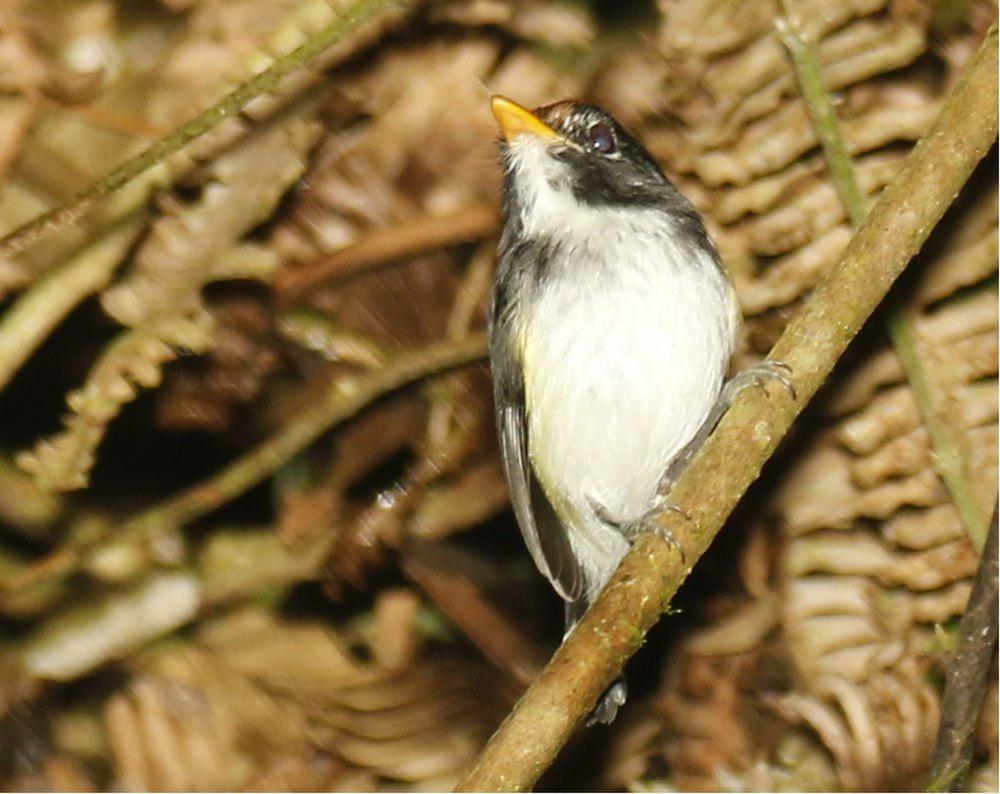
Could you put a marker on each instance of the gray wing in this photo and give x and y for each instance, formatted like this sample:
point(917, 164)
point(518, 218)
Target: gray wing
point(543, 532)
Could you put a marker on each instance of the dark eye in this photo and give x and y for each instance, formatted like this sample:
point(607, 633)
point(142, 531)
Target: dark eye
point(602, 139)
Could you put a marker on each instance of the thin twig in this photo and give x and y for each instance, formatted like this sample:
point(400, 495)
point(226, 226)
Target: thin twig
point(822, 113)
point(948, 444)
point(346, 398)
point(950, 453)
point(388, 245)
point(641, 589)
point(965, 678)
point(233, 103)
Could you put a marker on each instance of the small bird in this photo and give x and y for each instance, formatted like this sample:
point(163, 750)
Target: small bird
point(611, 329)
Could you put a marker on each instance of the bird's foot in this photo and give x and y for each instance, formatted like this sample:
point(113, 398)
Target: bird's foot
point(647, 522)
point(608, 704)
point(759, 375)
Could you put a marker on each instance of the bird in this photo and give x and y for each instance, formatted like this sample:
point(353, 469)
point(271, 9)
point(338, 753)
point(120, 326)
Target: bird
point(611, 328)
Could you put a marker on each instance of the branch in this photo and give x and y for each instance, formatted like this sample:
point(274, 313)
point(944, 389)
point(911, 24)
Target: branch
point(346, 398)
point(649, 575)
point(950, 450)
point(383, 246)
point(965, 678)
point(358, 14)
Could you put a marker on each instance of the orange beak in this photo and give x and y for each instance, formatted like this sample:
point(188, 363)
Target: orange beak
point(515, 120)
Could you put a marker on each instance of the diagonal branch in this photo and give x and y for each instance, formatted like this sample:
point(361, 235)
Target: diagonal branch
point(967, 675)
point(345, 398)
point(354, 17)
point(640, 591)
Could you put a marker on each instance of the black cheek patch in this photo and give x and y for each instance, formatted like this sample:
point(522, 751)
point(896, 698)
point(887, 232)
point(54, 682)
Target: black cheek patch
point(610, 183)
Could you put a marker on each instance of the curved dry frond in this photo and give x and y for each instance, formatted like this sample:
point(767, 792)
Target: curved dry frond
point(235, 711)
point(193, 245)
point(160, 297)
point(132, 361)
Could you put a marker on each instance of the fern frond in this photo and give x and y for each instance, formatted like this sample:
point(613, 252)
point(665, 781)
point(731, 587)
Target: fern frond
point(132, 361)
point(160, 297)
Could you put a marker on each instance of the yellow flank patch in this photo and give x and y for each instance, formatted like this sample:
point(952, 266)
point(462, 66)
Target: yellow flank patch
point(534, 420)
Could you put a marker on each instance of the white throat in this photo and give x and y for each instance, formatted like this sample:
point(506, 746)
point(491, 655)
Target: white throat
point(544, 186)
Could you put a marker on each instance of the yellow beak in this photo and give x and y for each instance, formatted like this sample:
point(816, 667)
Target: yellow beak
point(515, 120)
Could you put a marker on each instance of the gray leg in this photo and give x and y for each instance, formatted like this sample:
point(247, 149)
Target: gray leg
point(647, 522)
point(757, 375)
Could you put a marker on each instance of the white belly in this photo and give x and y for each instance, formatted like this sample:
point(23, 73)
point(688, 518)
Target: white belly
point(619, 376)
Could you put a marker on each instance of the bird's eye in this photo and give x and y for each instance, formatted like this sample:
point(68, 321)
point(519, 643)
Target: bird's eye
point(601, 139)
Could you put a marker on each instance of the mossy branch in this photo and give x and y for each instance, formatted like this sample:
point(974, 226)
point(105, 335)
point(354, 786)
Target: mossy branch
point(641, 589)
point(950, 452)
point(233, 103)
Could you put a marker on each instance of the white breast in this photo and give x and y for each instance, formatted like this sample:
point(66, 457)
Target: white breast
point(628, 347)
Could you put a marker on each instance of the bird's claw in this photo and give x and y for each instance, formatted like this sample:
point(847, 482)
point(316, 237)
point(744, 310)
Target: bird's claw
point(648, 523)
point(759, 375)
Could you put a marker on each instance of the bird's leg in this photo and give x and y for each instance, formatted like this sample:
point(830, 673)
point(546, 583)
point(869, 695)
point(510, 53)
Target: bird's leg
point(633, 528)
point(758, 375)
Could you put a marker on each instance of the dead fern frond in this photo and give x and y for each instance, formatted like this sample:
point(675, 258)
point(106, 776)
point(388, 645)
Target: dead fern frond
point(234, 708)
point(160, 298)
point(131, 362)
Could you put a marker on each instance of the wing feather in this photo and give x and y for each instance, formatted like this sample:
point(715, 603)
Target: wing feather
point(543, 532)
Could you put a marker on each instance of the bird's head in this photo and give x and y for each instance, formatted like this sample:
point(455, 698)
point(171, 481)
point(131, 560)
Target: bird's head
point(569, 159)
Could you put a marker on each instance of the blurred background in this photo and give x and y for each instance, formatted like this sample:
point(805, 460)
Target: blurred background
point(246, 544)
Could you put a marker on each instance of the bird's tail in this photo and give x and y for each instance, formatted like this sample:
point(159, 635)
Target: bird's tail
point(614, 696)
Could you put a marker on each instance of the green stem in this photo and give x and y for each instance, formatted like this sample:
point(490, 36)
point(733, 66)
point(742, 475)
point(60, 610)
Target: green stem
point(822, 114)
point(949, 451)
point(346, 398)
point(950, 454)
point(361, 12)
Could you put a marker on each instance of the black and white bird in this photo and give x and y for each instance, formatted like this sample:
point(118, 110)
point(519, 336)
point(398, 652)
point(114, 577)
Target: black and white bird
point(611, 331)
